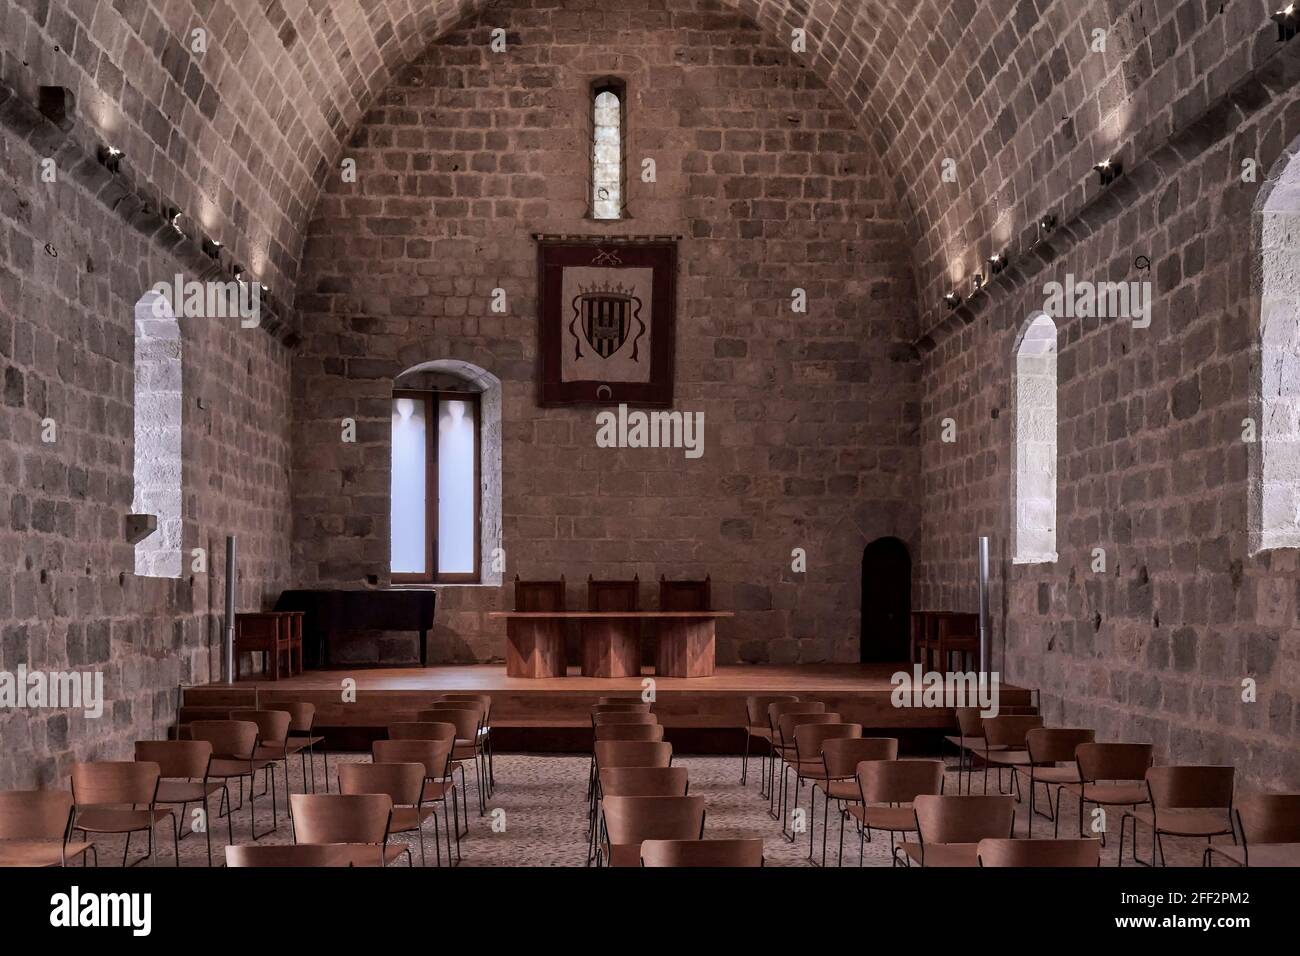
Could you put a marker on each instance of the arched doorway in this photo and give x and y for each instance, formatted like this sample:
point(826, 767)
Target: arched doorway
point(886, 601)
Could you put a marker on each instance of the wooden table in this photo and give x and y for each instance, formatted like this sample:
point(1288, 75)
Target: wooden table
point(611, 645)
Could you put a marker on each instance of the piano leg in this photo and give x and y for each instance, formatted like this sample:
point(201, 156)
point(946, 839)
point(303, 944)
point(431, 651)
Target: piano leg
point(424, 648)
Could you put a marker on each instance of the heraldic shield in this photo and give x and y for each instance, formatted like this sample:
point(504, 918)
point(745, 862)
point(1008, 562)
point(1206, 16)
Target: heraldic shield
point(608, 317)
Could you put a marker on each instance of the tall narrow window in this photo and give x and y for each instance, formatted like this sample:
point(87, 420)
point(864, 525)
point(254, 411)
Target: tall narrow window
point(158, 412)
point(435, 487)
point(1274, 487)
point(607, 151)
point(1034, 443)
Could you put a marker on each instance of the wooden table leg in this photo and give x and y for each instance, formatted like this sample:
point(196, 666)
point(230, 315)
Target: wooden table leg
point(611, 647)
point(686, 648)
point(534, 648)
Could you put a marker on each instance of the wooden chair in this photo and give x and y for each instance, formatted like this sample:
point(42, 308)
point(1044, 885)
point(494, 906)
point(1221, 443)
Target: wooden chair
point(1269, 826)
point(234, 744)
point(107, 797)
point(685, 595)
point(624, 718)
point(404, 785)
point(1008, 852)
point(644, 781)
point(301, 740)
point(468, 721)
point(702, 853)
point(1052, 763)
point(439, 730)
point(1186, 801)
point(484, 701)
point(896, 784)
point(808, 765)
point(268, 634)
point(628, 821)
point(35, 829)
point(1110, 775)
point(293, 855)
point(272, 741)
point(183, 766)
point(949, 828)
point(435, 757)
point(969, 741)
point(840, 759)
point(785, 750)
point(756, 725)
point(775, 711)
point(359, 820)
point(629, 732)
point(1004, 745)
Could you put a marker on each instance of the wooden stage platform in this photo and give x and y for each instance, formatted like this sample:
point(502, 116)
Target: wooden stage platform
point(706, 713)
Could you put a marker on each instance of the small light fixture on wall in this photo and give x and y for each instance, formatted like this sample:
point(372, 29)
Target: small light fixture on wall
point(238, 272)
point(952, 300)
point(212, 247)
point(997, 262)
point(977, 281)
point(1288, 22)
point(174, 218)
point(1109, 170)
point(110, 157)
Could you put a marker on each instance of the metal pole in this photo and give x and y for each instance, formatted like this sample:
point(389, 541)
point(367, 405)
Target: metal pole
point(984, 606)
point(230, 610)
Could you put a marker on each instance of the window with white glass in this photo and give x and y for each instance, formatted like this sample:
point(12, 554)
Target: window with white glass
point(435, 487)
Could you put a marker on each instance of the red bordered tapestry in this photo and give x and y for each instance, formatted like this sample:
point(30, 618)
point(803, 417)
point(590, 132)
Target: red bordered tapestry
point(607, 316)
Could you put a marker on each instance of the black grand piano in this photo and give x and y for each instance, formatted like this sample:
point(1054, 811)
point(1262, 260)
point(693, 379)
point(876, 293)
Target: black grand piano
point(328, 614)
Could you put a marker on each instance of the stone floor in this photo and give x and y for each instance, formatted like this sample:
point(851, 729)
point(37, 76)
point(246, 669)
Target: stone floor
point(539, 809)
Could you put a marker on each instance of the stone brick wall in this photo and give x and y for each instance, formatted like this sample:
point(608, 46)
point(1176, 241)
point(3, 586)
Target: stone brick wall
point(1153, 470)
point(810, 419)
point(70, 275)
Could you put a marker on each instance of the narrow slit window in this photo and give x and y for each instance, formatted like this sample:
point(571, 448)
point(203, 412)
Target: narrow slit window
point(1034, 443)
point(435, 487)
point(607, 152)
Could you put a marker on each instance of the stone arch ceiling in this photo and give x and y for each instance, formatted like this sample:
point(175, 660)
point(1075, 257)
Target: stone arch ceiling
point(243, 135)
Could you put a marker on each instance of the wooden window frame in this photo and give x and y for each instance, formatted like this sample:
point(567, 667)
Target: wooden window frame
point(431, 575)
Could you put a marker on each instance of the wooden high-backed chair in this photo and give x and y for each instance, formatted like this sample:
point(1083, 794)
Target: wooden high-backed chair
point(536, 647)
point(684, 595)
point(611, 647)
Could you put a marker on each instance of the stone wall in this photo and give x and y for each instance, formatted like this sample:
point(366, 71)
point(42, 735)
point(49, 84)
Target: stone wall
point(1154, 477)
point(71, 272)
point(809, 418)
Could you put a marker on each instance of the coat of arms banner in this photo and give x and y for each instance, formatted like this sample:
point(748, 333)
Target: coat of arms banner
point(607, 313)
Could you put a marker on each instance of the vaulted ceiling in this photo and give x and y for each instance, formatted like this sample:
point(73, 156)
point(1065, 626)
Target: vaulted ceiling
point(1015, 93)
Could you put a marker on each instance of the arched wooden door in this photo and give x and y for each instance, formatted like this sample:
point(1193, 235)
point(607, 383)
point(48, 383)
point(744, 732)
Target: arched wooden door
point(886, 601)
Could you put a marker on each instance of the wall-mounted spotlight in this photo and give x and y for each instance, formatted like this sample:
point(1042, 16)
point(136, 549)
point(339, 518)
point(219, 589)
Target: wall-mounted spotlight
point(1109, 170)
point(238, 272)
point(977, 281)
point(1288, 22)
point(174, 218)
point(212, 247)
point(997, 262)
point(1047, 224)
point(952, 300)
point(110, 157)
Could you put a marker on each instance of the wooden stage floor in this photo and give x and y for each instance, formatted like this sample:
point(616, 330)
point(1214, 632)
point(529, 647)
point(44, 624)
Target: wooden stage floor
point(858, 692)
